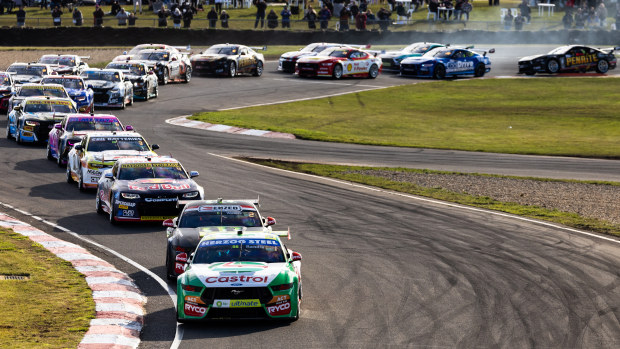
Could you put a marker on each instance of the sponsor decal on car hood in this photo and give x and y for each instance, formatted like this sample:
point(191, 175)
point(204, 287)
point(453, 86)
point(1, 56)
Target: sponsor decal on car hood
point(117, 154)
point(208, 58)
point(26, 78)
point(101, 84)
point(237, 274)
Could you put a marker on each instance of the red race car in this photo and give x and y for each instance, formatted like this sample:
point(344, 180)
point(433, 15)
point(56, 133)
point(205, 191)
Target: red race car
point(339, 62)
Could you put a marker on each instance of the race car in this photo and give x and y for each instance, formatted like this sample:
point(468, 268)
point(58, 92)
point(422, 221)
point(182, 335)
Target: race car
point(77, 90)
point(29, 72)
point(391, 59)
point(288, 60)
point(339, 62)
point(65, 64)
point(110, 87)
point(134, 51)
point(6, 90)
point(72, 129)
point(240, 275)
point(144, 80)
point(36, 90)
point(32, 119)
point(168, 64)
point(447, 61)
point(145, 189)
point(99, 151)
point(205, 217)
point(572, 58)
point(229, 60)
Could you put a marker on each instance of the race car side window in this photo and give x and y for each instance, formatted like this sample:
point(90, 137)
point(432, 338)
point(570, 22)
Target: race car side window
point(115, 170)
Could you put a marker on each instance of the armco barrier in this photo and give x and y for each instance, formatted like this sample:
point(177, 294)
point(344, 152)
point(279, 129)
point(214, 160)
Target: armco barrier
point(89, 36)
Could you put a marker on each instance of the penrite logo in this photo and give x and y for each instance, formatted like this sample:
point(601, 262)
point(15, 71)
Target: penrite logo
point(280, 309)
point(194, 310)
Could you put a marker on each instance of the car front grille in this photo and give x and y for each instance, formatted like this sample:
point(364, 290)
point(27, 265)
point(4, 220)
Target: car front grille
point(261, 293)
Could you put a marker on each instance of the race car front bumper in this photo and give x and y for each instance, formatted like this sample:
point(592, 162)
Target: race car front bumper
point(146, 207)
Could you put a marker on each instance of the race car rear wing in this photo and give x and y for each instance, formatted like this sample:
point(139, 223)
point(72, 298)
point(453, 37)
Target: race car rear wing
point(264, 48)
point(483, 50)
point(610, 49)
point(84, 57)
point(283, 233)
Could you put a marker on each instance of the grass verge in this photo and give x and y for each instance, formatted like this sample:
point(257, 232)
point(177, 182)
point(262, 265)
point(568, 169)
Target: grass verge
point(542, 116)
point(52, 309)
point(348, 173)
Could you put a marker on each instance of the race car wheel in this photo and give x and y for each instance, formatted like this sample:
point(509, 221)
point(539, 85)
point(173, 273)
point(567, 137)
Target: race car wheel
point(169, 267)
point(147, 94)
point(49, 152)
point(602, 66)
point(259, 69)
point(123, 105)
point(166, 77)
point(337, 73)
point(553, 66)
point(232, 69)
point(112, 216)
point(188, 75)
point(439, 72)
point(8, 132)
point(68, 175)
point(480, 70)
point(131, 99)
point(98, 203)
point(81, 183)
point(373, 72)
point(18, 137)
point(156, 93)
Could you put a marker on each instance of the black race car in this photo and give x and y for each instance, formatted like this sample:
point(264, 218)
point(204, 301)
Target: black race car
point(572, 58)
point(145, 189)
point(228, 60)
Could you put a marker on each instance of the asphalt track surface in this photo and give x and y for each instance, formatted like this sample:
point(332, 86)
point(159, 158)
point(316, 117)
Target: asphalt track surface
point(378, 269)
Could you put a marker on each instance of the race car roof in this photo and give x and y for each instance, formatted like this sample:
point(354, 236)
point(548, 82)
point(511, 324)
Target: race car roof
point(47, 100)
point(90, 116)
point(73, 77)
point(235, 234)
point(114, 134)
point(147, 159)
point(40, 86)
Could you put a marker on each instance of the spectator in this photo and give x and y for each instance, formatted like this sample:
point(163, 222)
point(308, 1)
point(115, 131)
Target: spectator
point(360, 21)
point(401, 11)
point(495, 2)
point(122, 17)
point(458, 9)
point(345, 15)
point(392, 4)
point(163, 15)
point(567, 20)
point(617, 24)
point(354, 9)
point(212, 17)
point(137, 5)
point(467, 7)
point(330, 6)
point(78, 20)
point(261, 6)
point(218, 6)
point(177, 16)
point(324, 16)
point(508, 19)
point(115, 9)
point(371, 19)
point(364, 6)
point(131, 19)
point(98, 16)
point(286, 17)
point(311, 16)
point(433, 6)
point(224, 19)
point(272, 20)
point(526, 12)
point(519, 20)
point(601, 13)
point(188, 15)
point(446, 4)
point(44, 4)
point(21, 17)
point(384, 18)
point(338, 6)
point(56, 13)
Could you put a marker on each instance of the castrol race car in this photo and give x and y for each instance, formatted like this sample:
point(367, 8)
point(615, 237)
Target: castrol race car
point(338, 63)
point(200, 218)
point(447, 61)
point(391, 59)
point(99, 151)
point(32, 119)
point(72, 129)
point(241, 275)
point(6, 90)
point(573, 58)
point(145, 189)
point(289, 59)
point(229, 60)
point(75, 86)
point(65, 64)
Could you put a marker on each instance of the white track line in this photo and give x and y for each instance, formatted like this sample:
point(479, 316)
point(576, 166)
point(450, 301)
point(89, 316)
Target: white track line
point(443, 203)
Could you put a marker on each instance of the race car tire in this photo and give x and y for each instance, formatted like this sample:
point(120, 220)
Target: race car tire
point(337, 73)
point(18, 136)
point(131, 99)
point(8, 132)
point(147, 95)
point(80, 183)
point(123, 105)
point(480, 70)
point(552, 66)
point(98, 203)
point(111, 215)
point(156, 94)
point(602, 66)
point(166, 77)
point(373, 72)
point(188, 75)
point(439, 72)
point(259, 69)
point(296, 316)
point(232, 69)
point(169, 267)
point(49, 152)
point(68, 175)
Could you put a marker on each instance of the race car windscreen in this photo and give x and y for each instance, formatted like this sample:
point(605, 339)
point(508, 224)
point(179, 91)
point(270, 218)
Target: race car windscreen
point(5, 80)
point(239, 250)
point(60, 60)
point(222, 50)
point(101, 75)
point(49, 108)
point(75, 84)
point(153, 56)
point(219, 216)
point(97, 144)
point(134, 69)
point(27, 70)
point(43, 91)
point(443, 53)
point(559, 50)
point(416, 48)
point(339, 53)
point(93, 124)
point(129, 172)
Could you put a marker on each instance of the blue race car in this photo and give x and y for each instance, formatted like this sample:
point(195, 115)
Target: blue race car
point(75, 86)
point(447, 61)
point(391, 59)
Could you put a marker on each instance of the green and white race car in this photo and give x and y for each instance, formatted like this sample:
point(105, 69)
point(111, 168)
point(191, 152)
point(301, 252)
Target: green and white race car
point(237, 274)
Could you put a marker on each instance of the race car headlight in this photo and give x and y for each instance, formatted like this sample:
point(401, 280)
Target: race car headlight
point(426, 65)
point(92, 165)
point(80, 98)
point(31, 123)
point(190, 195)
point(191, 288)
point(329, 64)
point(130, 196)
point(282, 287)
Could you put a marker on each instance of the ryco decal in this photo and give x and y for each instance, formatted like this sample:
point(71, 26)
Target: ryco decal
point(194, 310)
point(280, 309)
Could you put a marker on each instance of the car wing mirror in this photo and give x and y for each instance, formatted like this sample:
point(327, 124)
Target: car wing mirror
point(270, 221)
point(154, 147)
point(17, 107)
point(193, 174)
point(168, 223)
point(295, 256)
point(58, 126)
point(78, 147)
point(129, 128)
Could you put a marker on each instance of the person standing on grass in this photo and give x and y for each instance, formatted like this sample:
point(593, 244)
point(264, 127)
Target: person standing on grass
point(218, 6)
point(56, 13)
point(272, 20)
point(384, 18)
point(21, 17)
point(122, 17)
point(324, 16)
point(567, 20)
point(131, 20)
point(188, 15)
point(261, 7)
point(163, 15)
point(212, 17)
point(77, 17)
point(519, 20)
point(310, 16)
point(98, 16)
point(345, 15)
point(177, 16)
point(360, 20)
point(224, 17)
point(286, 17)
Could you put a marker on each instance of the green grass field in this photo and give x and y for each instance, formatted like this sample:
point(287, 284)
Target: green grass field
point(52, 309)
point(544, 116)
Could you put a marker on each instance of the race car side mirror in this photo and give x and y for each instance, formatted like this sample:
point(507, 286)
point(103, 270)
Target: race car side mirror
point(151, 72)
point(17, 107)
point(193, 174)
point(58, 126)
point(270, 221)
point(109, 175)
point(168, 223)
point(90, 86)
point(78, 147)
point(126, 78)
point(128, 128)
point(124, 52)
point(295, 256)
point(173, 59)
point(154, 147)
